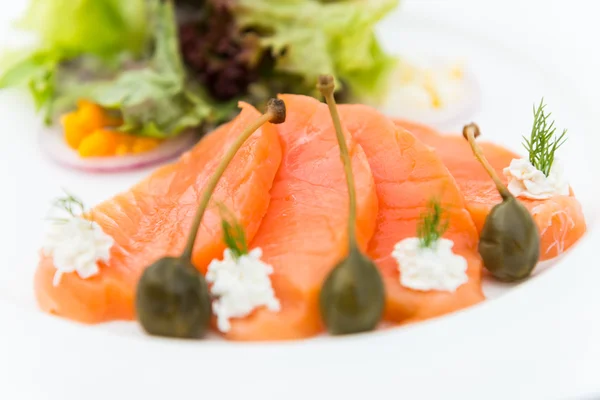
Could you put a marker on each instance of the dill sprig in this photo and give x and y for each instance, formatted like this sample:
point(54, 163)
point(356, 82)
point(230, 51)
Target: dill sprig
point(69, 204)
point(433, 224)
point(543, 142)
point(233, 233)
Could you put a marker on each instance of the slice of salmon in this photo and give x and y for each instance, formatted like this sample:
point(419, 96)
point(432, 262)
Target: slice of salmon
point(153, 219)
point(304, 233)
point(560, 219)
point(407, 175)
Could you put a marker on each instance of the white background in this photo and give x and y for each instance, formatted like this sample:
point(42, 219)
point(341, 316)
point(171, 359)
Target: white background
point(562, 33)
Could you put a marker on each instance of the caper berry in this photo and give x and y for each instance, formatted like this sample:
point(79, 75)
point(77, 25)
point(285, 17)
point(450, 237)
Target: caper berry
point(172, 299)
point(353, 296)
point(509, 243)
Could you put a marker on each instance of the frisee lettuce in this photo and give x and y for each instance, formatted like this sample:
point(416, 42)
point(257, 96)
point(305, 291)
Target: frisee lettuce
point(309, 38)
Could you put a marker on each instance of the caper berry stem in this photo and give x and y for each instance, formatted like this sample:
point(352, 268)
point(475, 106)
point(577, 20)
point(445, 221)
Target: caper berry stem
point(326, 86)
point(275, 114)
point(352, 298)
point(471, 132)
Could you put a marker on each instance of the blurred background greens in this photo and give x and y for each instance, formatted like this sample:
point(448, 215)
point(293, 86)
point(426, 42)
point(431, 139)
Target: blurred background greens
point(169, 66)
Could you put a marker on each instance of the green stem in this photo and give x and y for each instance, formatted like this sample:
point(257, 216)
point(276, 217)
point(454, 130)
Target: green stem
point(470, 132)
point(273, 115)
point(326, 87)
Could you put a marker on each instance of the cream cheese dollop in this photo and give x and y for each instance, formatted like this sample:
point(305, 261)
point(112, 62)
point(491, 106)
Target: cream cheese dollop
point(525, 180)
point(430, 268)
point(77, 245)
point(240, 285)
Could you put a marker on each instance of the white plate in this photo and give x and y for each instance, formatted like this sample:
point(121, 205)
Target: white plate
point(536, 340)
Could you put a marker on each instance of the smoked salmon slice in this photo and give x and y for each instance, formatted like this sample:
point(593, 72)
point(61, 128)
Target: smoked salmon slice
point(304, 233)
point(407, 176)
point(153, 219)
point(560, 219)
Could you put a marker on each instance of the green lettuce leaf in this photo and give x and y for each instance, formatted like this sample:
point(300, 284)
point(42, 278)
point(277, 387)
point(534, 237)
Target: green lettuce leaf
point(35, 70)
point(151, 93)
point(309, 38)
point(153, 99)
point(67, 29)
point(98, 27)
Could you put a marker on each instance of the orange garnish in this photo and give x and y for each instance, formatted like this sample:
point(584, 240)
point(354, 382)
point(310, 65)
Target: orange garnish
point(88, 130)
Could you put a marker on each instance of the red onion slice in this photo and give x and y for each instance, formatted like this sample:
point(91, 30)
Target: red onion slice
point(54, 146)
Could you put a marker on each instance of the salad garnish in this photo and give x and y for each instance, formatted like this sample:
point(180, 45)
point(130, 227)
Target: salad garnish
point(543, 142)
point(509, 242)
point(352, 297)
point(172, 297)
point(101, 36)
point(300, 37)
point(432, 224)
point(92, 132)
point(165, 67)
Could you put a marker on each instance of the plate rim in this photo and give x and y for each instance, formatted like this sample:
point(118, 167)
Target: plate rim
point(531, 288)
